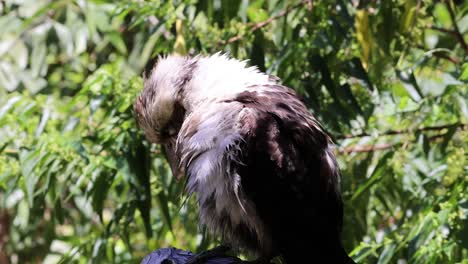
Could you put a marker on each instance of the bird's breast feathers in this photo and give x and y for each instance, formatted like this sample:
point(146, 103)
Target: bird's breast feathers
point(209, 145)
point(212, 145)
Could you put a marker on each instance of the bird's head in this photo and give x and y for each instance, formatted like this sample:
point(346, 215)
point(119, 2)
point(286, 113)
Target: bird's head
point(176, 86)
point(159, 109)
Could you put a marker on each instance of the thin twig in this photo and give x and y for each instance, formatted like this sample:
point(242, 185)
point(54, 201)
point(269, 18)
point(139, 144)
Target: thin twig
point(404, 131)
point(10, 151)
point(458, 34)
point(439, 54)
point(443, 30)
point(443, 55)
point(367, 148)
point(261, 24)
point(383, 146)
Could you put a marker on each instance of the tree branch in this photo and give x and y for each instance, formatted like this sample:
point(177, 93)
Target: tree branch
point(404, 131)
point(5, 222)
point(383, 146)
point(261, 24)
point(444, 56)
point(443, 30)
point(367, 148)
point(458, 34)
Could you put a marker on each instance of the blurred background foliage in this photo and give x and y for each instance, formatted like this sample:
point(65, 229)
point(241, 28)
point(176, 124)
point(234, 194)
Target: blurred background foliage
point(79, 184)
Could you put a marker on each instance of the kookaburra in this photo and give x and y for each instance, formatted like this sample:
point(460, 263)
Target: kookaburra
point(260, 164)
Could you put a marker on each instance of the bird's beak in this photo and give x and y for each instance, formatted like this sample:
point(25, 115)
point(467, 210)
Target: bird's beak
point(174, 161)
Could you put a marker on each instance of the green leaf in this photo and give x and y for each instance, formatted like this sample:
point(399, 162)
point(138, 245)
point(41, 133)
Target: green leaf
point(99, 191)
point(8, 105)
point(363, 35)
point(362, 251)
point(118, 42)
point(256, 14)
point(464, 72)
point(29, 160)
point(442, 15)
point(387, 254)
point(411, 7)
point(163, 205)
point(66, 38)
point(376, 175)
point(8, 79)
point(411, 85)
point(355, 68)
point(257, 53)
point(19, 53)
point(99, 250)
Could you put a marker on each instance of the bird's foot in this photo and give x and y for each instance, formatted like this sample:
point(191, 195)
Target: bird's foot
point(217, 252)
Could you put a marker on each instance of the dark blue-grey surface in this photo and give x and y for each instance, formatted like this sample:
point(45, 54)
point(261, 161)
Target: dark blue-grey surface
point(178, 256)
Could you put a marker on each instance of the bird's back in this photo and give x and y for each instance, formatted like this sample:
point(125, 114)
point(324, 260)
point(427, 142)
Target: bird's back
point(289, 172)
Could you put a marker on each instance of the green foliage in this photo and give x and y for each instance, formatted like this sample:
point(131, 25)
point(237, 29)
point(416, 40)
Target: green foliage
point(79, 183)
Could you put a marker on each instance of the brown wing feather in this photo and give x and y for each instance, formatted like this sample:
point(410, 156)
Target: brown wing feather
point(290, 173)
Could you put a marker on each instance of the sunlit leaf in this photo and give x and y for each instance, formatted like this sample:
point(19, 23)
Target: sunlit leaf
point(363, 35)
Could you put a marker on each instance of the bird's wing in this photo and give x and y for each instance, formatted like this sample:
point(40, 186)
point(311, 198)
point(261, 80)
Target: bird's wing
point(288, 169)
point(259, 162)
